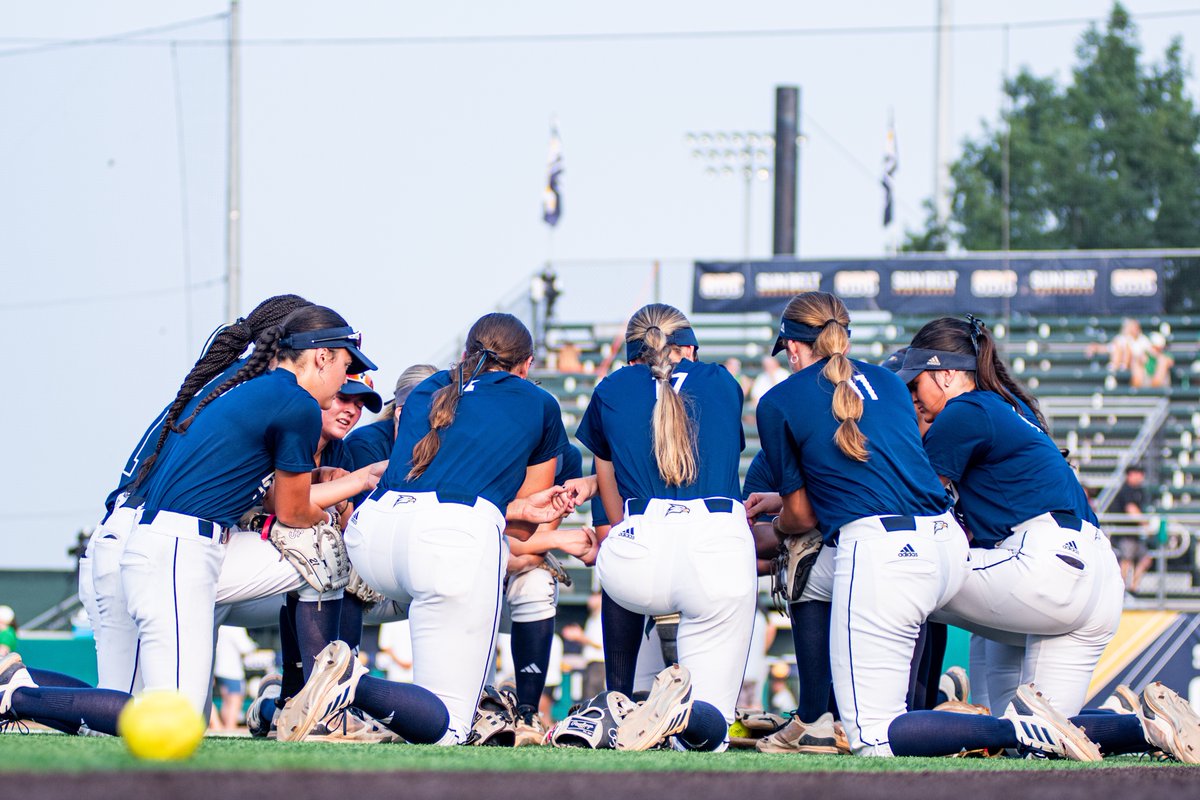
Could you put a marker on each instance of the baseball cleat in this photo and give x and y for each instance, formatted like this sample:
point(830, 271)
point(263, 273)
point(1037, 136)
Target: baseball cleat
point(330, 689)
point(1045, 732)
point(13, 676)
point(665, 712)
point(1170, 723)
point(260, 716)
point(815, 738)
point(351, 726)
point(955, 684)
point(1123, 700)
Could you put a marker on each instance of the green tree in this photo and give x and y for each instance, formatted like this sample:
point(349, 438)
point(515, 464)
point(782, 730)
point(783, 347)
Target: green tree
point(1108, 161)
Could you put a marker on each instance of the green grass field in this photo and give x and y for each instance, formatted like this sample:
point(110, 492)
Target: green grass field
point(51, 753)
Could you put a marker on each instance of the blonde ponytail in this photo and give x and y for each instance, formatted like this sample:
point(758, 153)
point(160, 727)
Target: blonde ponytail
point(673, 431)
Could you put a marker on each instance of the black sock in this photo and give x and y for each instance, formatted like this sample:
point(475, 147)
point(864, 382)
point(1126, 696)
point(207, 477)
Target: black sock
point(351, 624)
point(706, 728)
point(531, 642)
point(938, 639)
point(316, 626)
point(1116, 734)
point(409, 710)
point(97, 708)
point(918, 671)
point(622, 631)
point(47, 679)
point(293, 668)
point(944, 733)
point(810, 635)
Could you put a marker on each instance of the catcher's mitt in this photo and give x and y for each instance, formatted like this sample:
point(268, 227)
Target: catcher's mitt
point(797, 554)
point(494, 719)
point(595, 725)
point(551, 564)
point(359, 588)
point(318, 553)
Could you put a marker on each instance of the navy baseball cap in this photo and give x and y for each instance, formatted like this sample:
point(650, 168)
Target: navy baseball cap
point(346, 339)
point(361, 386)
point(895, 361)
point(918, 360)
point(682, 337)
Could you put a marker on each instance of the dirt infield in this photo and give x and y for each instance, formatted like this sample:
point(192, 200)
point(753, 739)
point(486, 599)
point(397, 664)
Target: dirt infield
point(1073, 785)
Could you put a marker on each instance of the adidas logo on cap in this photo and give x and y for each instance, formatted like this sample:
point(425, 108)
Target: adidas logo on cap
point(907, 552)
point(933, 361)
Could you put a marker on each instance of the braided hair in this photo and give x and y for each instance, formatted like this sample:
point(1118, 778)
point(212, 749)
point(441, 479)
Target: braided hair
point(496, 342)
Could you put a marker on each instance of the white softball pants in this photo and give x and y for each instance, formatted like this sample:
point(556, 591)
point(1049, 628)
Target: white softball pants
point(117, 633)
point(446, 561)
point(890, 574)
point(529, 596)
point(169, 572)
point(678, 556)
point(1051, 595)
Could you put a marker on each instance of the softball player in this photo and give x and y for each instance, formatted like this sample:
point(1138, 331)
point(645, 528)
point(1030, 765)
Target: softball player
point(470, 442)
point(262, 430)
point(666, 434)
point(114, 630)
point(1040, 566)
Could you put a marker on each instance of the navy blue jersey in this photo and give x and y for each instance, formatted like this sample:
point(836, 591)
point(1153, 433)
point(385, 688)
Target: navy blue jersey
point(145, 445)
point(570, 465)
point(758, 477)
point(224, 463)
point(337, 454)
point(796, 426)
point(1006, 469)
point(616, 427)
point(368, 444)
point(503, 425)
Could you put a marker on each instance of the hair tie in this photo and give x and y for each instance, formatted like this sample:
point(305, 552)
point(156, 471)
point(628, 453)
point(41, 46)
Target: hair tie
point(484, 355)
point(976, 329)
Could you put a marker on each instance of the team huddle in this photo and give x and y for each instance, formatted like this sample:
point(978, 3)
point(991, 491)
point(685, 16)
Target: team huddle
point(921, 492)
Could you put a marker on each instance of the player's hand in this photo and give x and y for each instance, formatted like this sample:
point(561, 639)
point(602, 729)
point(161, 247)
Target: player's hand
point(577, 543)
point(582, 489)
point(367, 477)
point(378, 468)
point(521, 563)
point(547, 505)
point(326, 474)
point(759, 503)
point(589, 558)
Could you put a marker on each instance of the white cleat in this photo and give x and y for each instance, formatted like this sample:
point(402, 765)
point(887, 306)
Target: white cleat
point(330, 689)
point(665, 712)
point(1170, 723)
point(1043, 731)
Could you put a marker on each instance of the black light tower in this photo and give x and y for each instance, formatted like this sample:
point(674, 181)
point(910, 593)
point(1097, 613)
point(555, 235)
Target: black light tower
point(787, 169)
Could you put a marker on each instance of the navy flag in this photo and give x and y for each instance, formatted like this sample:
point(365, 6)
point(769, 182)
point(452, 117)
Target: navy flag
point(891, 160)
point(551, 195)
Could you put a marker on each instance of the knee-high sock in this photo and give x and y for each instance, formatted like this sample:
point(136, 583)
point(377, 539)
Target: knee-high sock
point(351, 624)
point(316, 626)
point(293, 668)
point(938, 638)
point(1116, 734)
point(622, 631)
point(97, 708)
point(943, 733)
point(411, 711)
point(918, 670)
point(47, 679)
point(531, 643)
point(810, 635)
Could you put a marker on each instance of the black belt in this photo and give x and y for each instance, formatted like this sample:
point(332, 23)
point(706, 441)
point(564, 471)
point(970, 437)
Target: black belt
point(894, 524)
point(715, 505)
point(1069, 521)
point(443, 497)
point(204, 527)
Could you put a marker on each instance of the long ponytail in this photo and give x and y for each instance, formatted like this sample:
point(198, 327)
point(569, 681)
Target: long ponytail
point(673, 430)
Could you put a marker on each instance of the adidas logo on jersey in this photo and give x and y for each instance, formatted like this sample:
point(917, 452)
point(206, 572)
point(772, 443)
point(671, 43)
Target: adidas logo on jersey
point(1071, 546)
point(625, 533)
point(907, 552)
point(676, 508)
point(531, 669)
point(933, 361)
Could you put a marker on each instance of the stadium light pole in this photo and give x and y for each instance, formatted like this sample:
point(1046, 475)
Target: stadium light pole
point(233, 221)
point(728, 154)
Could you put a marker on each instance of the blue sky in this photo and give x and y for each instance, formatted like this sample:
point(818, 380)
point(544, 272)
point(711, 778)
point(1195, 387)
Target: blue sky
point(401, 184)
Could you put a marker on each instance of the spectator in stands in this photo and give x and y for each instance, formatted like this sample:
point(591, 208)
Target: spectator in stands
point(8, 631)
point(229, 669)
point(1134, 550)
point(772, 374)
point(1152, 367)
point(569, 358)
point(734, 367)
point(395, 651)
point(1125, 348)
